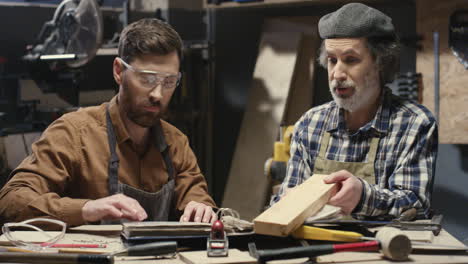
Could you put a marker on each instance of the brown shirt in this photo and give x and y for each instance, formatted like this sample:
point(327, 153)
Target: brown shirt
point(69, 166)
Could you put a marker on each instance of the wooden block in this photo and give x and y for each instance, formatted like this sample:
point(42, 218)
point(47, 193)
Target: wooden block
point(200, 257)
point(284, 69)
point(290, 212)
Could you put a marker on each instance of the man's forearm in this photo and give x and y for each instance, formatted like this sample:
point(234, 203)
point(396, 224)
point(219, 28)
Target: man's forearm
point(376, 201)
point(23, 203)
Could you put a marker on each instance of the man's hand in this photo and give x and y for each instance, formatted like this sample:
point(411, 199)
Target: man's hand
point(198, 212)
point(349, 190)
point(113, 207)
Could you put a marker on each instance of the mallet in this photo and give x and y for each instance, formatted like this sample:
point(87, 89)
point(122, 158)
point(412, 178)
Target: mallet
point(392, 242)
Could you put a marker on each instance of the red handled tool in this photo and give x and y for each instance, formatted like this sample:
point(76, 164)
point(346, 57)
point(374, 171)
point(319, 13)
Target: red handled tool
point(217, 244)
point(310, 251)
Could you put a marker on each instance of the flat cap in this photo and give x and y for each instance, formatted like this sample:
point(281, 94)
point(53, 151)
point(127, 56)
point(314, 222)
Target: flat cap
point(355, 20)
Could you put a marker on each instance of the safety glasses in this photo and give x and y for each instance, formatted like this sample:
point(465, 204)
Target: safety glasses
point(150, 79)
point(37, 242)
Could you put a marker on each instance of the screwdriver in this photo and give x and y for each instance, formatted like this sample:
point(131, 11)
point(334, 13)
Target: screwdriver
point(54, 258)
point(149, 249)
point(316, 233)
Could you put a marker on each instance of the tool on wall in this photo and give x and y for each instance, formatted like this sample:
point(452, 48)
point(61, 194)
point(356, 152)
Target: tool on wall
point(458, 36)
point(67, 42)
point(409, 85)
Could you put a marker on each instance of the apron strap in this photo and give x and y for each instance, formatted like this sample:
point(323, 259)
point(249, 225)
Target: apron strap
point(113, 166)
point(161, 144)
point(372, 154)
point(169, 165)
point(324, 144)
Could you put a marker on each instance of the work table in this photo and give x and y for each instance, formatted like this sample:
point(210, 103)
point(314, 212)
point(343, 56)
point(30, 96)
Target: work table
point(112, 239)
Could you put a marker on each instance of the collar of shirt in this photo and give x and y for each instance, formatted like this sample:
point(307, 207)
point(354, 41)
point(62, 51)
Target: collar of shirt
point(379, 124)
point(121, 132)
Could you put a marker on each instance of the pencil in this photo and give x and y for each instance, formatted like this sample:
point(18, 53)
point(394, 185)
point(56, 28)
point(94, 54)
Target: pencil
point(76, 245)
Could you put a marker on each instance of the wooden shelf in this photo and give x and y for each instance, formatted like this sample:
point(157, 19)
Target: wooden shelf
point(273, 3)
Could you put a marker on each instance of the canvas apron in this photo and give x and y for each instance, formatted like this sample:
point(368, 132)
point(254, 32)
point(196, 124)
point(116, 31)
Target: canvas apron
point(158, 204)
point(363, 170)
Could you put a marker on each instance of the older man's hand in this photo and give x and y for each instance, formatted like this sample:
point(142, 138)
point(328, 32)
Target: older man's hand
point(349, 190)
point(198, 212)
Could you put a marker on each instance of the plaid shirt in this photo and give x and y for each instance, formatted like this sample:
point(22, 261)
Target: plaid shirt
point(405, 161)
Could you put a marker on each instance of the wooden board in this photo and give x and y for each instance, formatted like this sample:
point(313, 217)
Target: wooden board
point(200, 257)
point(290, 212)
point(433, 15)
point(276, 71)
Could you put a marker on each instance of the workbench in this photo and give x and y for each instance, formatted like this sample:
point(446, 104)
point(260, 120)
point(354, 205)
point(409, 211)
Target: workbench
point(112, 239)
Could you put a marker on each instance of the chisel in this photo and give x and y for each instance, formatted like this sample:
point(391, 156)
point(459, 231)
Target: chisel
point(54, 258)
point(149, 249)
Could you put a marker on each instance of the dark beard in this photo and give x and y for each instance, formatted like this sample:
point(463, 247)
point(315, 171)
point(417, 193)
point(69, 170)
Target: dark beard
point(143, 119)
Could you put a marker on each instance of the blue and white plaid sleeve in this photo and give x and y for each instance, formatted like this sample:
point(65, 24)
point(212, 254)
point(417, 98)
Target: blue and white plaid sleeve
point(410, 184)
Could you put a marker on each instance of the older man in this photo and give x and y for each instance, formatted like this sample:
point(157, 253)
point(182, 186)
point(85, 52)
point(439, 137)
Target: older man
point(118, 160)
point(379, 149)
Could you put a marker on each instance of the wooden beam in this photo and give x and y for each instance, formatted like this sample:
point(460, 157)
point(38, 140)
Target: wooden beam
point(285, 60)
point(290, 212)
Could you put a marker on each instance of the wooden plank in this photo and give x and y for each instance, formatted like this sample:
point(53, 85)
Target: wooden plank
point(300, 95)
point(434, 15)
point(200, 257)
point(290, 212)
point(273, 79)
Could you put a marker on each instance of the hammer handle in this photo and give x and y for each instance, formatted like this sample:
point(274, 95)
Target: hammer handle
point(316, 250)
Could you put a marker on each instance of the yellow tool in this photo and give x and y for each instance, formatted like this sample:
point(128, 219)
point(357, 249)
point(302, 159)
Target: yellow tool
point(275, 167)
point(316, 233)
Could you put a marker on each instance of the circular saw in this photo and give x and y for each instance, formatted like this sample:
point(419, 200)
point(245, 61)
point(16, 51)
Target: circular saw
point(73, 35)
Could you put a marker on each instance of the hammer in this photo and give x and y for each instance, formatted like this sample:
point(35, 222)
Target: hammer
point(392, 243)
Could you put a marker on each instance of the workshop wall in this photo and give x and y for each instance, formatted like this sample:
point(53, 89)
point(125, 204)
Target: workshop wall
point(450, 196)
point(433, 16)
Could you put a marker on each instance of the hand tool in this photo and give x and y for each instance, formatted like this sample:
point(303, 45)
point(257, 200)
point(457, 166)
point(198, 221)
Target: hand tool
point(309, 251)
point(435, 225)
point(15, 249)
point(149, 249)
point(217, 244)
point(316, 233)
point(54, 258)
point(75, 245)
point(391, 241)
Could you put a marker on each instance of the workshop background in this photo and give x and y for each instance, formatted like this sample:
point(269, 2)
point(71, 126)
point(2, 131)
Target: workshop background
point(224, 105)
